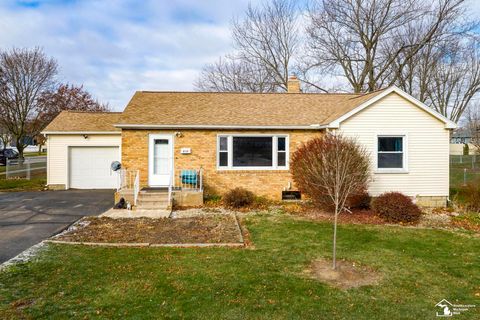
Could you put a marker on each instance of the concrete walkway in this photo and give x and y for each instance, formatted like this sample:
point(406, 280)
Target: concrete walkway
point(137, 213)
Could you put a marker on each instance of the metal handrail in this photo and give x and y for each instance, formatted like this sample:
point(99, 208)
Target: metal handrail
point(190, 179)
point(136, 187)
point(170, 188)
point(130, 180)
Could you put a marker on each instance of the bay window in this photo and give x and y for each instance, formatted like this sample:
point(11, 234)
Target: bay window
point(255, 152)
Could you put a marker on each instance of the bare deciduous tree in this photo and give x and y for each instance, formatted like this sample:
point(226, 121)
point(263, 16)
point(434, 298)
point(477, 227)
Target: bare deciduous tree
point(266, 40)
point(24, 75)
point(230, 74)
point(67, 97)
point(331, 168)
point(427, 48)
point(269, 35)
point(64, 97)
point(445, 76)
point(370, 42)
point(455, 80)
point(5, 137)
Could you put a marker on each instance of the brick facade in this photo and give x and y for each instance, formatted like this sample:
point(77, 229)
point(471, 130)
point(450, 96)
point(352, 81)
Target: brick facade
point(203, 144)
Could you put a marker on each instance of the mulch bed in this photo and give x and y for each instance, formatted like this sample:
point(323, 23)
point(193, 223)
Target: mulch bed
point(203, 229)
point(444, 218)
point(357, 216)
point(347, 274)
point(466, 224)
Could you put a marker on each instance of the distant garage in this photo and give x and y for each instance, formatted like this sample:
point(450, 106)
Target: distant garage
point(79, 156)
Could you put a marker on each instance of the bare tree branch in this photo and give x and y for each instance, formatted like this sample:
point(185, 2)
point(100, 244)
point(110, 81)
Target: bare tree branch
point(269, 35)
point(266, 40)
point(371, 41)
point(231, 74)
point(24, 75)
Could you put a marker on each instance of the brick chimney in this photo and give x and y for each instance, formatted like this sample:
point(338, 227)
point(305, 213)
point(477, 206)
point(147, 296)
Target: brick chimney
point(293, 84)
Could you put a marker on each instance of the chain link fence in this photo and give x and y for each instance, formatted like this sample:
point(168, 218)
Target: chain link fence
point(27, 168)
point(464, 169)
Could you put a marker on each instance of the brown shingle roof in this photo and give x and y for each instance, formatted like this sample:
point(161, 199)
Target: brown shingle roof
point(238, 109)
point(78, 121)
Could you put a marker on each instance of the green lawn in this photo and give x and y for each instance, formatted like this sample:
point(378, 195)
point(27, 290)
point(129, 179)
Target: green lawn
point(35, 184)
point(420, 267)
point(34, 154)
point(457, 174)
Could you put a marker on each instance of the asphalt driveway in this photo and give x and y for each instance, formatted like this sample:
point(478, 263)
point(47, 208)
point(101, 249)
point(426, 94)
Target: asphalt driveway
point(26, 218)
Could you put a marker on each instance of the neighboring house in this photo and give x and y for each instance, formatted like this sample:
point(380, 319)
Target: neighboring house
point(459, 138)
point(246, 140)
point(30, 143)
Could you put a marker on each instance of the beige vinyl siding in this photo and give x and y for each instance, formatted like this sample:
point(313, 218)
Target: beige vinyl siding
point(427, 146)
point(57, 155)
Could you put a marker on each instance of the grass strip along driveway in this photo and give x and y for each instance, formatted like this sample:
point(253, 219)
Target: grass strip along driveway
point(419, 267)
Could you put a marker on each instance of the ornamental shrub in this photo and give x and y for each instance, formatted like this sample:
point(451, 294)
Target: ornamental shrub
point(238, 198)
point(396, 207)
point(330, 169)
point(470, 195)
point(360, 200)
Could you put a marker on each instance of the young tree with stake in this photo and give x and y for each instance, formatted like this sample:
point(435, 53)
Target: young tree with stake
point(329, 170)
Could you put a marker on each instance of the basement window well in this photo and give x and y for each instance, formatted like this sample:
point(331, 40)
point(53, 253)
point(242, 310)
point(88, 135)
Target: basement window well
point(291, 195)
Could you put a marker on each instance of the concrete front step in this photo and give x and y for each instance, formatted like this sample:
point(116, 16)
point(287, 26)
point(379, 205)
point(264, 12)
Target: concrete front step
point(154, 191)
point(152, 203)
point(153, 209)
point(153, 199)
point(149, 196)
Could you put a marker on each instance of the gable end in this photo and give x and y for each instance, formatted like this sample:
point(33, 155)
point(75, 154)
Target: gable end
point(448, 123)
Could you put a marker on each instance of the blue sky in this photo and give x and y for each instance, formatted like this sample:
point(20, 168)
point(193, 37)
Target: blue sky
point(115, 47)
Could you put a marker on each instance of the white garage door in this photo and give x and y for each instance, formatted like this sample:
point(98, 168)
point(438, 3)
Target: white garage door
point(90, 167)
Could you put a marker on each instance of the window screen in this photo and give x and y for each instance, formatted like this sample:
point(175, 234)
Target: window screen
point(390, 152)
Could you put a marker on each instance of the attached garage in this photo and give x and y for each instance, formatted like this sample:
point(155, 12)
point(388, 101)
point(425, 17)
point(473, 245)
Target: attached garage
point(80, 149)
point(89, 167)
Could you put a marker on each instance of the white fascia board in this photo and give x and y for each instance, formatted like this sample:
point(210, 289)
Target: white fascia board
point(195, 126)
point(448, 123)
point(80, 132)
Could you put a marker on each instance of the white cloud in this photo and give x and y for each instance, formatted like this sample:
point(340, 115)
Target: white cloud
point(117, 47)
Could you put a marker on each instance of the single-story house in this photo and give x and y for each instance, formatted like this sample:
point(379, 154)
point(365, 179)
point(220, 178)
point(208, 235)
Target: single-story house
point(246, 139)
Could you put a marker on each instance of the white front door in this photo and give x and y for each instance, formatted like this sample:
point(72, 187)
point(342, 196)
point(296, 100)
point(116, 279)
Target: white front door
point(160, 160)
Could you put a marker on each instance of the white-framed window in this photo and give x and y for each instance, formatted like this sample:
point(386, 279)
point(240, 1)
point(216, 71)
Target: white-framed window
point(252, 152)
point(391, 153)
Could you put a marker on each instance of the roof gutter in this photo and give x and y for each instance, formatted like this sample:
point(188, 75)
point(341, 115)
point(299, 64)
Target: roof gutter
point(80, 132)
point(223, 127)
